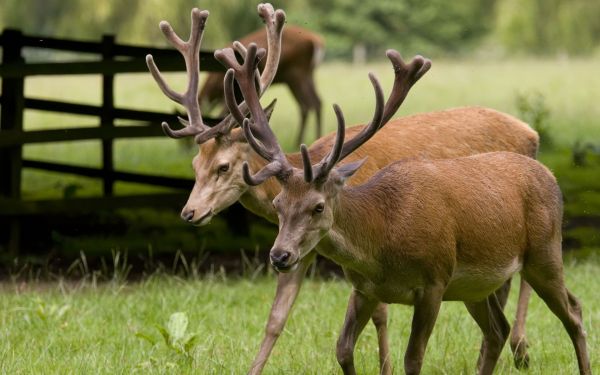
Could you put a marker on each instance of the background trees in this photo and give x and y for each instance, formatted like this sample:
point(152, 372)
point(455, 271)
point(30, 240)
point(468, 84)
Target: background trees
point(432, 27)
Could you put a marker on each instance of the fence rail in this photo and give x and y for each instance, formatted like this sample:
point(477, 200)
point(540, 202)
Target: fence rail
point(112, 59)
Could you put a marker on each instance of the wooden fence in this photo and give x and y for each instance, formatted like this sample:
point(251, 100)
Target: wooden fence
point(113, 58)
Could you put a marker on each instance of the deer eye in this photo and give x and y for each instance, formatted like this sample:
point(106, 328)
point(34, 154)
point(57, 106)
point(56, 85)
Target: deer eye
point(223, 168)
point(319, 208)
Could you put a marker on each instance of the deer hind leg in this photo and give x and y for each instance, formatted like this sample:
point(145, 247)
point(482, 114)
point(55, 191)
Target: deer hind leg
point(379, 318)
point(288, 286)
point(427, 306)
point(490, 318)
point(546, 278)
point(360, 309)
point(300, 93)
point(315, 104)
point(518, 341)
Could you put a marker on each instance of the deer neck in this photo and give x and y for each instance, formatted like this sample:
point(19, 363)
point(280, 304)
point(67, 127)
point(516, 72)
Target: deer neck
point(258, 199)
point(354, 239)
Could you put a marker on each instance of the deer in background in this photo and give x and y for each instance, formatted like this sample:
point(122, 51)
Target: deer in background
point(418, 232)
point(301, 52)
point(219, 181)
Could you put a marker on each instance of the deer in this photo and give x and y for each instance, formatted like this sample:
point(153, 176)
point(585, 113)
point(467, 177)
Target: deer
point(418, 232)
point(222, 149)
point(301, 52)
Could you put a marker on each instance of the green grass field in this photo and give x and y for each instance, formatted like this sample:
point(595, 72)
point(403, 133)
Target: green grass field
point(80, 328)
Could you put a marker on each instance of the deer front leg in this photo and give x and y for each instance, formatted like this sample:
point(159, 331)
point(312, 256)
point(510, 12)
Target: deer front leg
point(288, 286)
point(427, 305)
point(360, 309)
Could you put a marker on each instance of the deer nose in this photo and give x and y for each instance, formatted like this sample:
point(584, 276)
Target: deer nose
point(187, 215)
point(279, 258)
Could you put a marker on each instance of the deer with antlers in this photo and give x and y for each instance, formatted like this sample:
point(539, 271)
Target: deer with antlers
point(301, 52)
point(437, 230)
point(219, 180)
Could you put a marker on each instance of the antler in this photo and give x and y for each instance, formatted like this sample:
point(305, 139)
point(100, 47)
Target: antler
point(191, 54)
point(274, 21)
point(265, 144)
point(405, 77)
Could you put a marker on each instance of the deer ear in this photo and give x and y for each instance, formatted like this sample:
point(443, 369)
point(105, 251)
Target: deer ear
point(269, 109)
point(347, 170)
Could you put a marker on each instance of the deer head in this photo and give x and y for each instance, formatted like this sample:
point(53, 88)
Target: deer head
point(217, 165)
point(308, 198)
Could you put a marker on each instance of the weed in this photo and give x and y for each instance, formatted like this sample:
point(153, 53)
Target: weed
point(174, 335)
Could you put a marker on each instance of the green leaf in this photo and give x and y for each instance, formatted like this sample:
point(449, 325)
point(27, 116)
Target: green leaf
point(144, 336)
point(164, 334)
point(190, 342)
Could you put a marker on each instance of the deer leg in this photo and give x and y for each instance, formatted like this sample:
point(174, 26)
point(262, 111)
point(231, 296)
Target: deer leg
point(360, 309)
point(298, 89)
point(518, 341)
point(547, 281)
point(427, 305)
point(490, 318)
point(502, 297)
point(379, 318)
point(315, 104)
point(288, 286)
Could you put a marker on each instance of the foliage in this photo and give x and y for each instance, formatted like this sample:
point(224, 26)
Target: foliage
point(549, 26)
point(430, 27)
point(407, 25)
point(534, 111)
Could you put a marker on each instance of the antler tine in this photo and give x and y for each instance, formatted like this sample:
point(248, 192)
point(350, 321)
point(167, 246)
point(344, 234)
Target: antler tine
point(274, 21)
point(333, 157)
point(278, 166)
point(368, 130)
point(190, 51)
point(406, 75)
point(307, 165)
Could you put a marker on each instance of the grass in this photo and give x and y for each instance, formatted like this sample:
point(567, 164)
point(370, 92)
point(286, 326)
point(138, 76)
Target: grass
point(82, 328)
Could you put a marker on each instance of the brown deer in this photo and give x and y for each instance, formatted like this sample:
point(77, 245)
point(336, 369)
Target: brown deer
point(301, 52)
point(219, 181)
point(418, 232)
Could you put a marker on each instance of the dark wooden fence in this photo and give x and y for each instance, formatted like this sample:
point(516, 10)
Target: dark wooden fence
point(113, 58)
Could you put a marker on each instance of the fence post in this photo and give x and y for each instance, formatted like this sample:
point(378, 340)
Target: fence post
point(11, 118)
point(107, 117)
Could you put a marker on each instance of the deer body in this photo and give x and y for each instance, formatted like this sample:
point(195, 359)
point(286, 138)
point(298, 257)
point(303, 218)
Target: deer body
point(434, 219)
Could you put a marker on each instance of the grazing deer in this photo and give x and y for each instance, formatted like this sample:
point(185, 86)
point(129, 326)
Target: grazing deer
point(301, 52)
point(219, 181)
point(418, 232)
